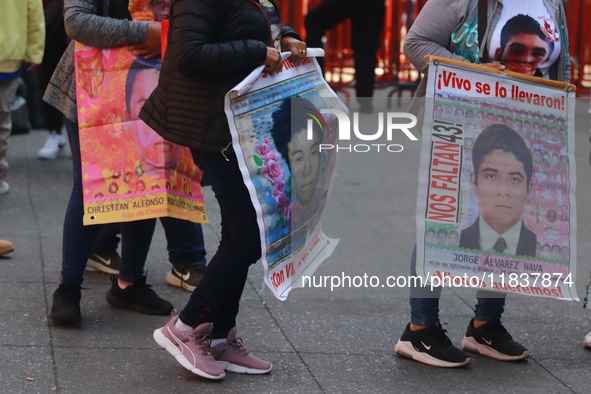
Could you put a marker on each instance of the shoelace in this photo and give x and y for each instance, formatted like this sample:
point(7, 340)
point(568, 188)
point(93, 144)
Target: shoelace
point(237, 344)
point(203, 342)
point(500, 330)
point(441, 334)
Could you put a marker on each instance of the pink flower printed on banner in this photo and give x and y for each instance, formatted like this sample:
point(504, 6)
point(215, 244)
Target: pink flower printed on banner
point(271, 170)
point(279, 188)
point(263, 149)
point(282, 202)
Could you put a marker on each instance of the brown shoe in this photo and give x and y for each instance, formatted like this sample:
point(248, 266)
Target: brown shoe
point(6, 247)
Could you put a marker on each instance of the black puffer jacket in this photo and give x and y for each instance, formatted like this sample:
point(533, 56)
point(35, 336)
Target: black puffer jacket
point(212, 46)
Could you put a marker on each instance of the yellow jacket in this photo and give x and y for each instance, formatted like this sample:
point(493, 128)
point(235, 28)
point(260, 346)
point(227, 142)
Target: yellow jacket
point(22, 33)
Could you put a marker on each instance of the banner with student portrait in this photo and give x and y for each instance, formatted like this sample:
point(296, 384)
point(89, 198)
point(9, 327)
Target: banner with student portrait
point(128, 171)
point(496, 207)
point(288, 176)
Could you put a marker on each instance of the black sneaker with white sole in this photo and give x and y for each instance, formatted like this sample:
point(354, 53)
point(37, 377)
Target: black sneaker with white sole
point(106, 262)
point(493, 340)
point(186, 279)
point(431, 346)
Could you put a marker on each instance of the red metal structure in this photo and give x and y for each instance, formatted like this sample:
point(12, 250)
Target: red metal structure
point(393, 68)
point(578, 14)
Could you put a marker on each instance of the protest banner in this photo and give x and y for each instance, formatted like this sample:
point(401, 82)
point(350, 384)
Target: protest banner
point(129, 172)
point(288, 177)
point(496, 206)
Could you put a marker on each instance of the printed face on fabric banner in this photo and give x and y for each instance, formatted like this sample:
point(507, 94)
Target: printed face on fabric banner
point(497, 173)
point(292, 176)
point(526, 39)
point(129, 171)
point(155, 153)
point(284, 167)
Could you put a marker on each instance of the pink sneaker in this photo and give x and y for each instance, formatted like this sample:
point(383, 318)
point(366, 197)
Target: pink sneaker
point(233, 357)
point(191, 349)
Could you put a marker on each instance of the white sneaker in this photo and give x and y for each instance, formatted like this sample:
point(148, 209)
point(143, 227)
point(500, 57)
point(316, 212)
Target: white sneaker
point(55, 146)
point(587, 341)
point(3, 187)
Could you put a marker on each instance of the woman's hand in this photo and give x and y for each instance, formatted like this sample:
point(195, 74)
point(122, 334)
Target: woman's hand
point(273, 62)
point(151, 48)
point(296, 47)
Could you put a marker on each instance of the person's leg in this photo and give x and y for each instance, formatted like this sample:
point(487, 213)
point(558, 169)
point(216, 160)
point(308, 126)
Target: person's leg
point(487, 335)
point(424, 339)
point(136, 238)
point(424, 300)
point(366, 27)
point(77, 242)
point(104, 256)
point(216, 298)
point(324, 16)
point(55, 46)
point(55, 144)
point(186, 252)
point(7, 95)
point(107, 238)
point(56, 42)
point(78, 239)
point(185, 244)
point(130, 290)
point(489, 306)
point(34, 100)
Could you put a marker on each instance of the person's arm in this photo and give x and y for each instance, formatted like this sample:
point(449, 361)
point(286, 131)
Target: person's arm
point(287, 31)
point(431, 32)
point(35, 32)
point(84, 26)
point(291, 41)
point(193, 41)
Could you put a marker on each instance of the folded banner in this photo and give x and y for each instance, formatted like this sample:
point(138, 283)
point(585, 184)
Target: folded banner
point(496, 207)
point(129, 172)
point(277, 131)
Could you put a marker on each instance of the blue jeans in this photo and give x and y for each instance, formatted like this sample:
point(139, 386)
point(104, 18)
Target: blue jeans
point(424, 302)
point(78, 239)
point(217, 297)
point(185, 244)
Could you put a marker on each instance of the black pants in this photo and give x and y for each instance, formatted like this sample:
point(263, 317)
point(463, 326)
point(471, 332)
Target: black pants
point(367, 19)
point(56, 42)
point(217, 297)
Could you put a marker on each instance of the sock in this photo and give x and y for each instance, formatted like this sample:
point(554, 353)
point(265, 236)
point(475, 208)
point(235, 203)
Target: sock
point(123, 284)
point(179, 325)
point(215, 342)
